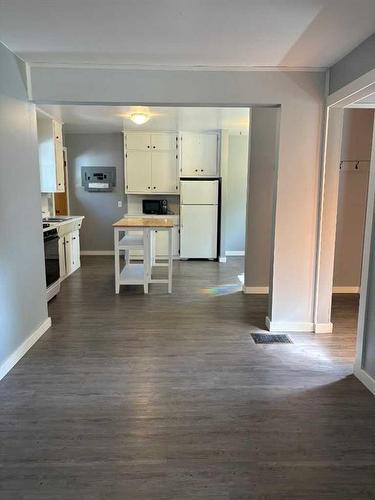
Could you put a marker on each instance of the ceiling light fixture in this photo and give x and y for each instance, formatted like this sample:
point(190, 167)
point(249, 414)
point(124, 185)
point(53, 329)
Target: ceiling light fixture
point(139, 118)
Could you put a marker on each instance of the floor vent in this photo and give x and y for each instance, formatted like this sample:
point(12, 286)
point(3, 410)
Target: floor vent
point(268, 338)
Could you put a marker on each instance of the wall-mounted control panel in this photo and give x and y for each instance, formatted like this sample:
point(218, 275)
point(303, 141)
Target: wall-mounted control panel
point(98, 179)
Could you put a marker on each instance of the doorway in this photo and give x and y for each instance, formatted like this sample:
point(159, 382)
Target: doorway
point(354, 168)
point(107, 136)
point(339, 173)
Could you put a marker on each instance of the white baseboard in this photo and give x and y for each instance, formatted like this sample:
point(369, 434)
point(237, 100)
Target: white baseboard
point(256, 290)
point(346, 289)
point(365, 378)
point(222, 260)
point(289, 326)
point(235, 253)
point(323, 327)
point(23, 348)
point(97, 252)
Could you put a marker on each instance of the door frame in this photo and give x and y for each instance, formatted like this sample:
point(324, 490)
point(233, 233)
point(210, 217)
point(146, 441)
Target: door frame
point(336, 103)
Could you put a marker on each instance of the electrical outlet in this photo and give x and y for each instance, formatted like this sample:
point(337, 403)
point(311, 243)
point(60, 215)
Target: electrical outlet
point(119, 204)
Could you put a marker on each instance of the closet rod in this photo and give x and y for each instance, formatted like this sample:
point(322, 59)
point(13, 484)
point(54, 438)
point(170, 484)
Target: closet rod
point(357, 162)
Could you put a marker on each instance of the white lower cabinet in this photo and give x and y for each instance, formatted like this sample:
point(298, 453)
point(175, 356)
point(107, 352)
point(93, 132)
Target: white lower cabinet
point(161, 242)
point(69, 253)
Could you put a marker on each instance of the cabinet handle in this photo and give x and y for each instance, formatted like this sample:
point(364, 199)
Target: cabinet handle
point(201, 169)
point(149, 187)
point(154, 187)
point(196, 170)
point(153, 147)
point(148, 147)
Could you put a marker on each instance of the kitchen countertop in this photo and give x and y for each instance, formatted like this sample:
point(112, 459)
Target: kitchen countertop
point(134, 221)
point(67, 219)
point(153, 216)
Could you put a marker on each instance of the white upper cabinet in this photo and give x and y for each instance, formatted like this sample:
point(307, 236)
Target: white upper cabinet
point(138, 172)
point(57, 130)
point(138, 142)
point(164, 142)
point(51, 156)
point(151, 162)
point(199, 155)
point(164, 172)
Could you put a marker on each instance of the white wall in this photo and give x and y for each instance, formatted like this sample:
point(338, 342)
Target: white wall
point(234, 187)
point(262, 183)
point(352, 197)
point(100, 209)
point(22, 283)
point(358, 62)
point(301, 97)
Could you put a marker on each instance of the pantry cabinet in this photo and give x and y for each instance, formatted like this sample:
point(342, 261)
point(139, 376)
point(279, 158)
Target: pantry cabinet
point(199, 154)
point(151, 163)
point(51, 156)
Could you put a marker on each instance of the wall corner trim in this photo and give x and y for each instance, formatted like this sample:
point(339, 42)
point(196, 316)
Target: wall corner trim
point(323, 327)
point(13, 359)
point(222, 260)
point(264, 290)
point(289, 326)
point(365, 378)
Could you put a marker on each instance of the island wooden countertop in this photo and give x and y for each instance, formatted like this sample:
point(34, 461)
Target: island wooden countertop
point(143, 222)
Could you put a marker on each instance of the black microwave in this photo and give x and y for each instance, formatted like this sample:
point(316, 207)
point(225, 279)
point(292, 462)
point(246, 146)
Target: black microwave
point(155, 207)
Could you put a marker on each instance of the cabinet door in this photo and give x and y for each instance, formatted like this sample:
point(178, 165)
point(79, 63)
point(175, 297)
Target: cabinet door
point(59, 162)
point(164, 172)
point(68, 253)
point(198, 155)
point(138, 172)
point(164, 142)
point(76, 259)
point(138, 142)
point(57, 131)
point(209, 147)
point(161, 243)
point(62, 256)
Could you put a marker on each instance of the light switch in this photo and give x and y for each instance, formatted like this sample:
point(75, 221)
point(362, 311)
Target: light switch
point(119, 204)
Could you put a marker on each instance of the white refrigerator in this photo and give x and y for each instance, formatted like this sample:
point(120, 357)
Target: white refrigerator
point(198, 219)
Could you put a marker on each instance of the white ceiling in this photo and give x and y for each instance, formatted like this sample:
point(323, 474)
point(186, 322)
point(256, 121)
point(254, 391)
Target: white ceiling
point(220, 33)
point(106, 119)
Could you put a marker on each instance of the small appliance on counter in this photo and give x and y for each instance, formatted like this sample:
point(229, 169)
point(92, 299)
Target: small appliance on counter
point(155, 207)
point(51, 261)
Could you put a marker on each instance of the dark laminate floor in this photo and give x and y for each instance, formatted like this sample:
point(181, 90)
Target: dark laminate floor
point(167, 397)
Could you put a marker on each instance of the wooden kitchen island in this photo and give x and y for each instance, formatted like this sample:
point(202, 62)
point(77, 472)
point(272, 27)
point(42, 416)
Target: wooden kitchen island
point(135, 233)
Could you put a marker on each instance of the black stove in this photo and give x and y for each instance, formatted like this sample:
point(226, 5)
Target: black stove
point(45, 224)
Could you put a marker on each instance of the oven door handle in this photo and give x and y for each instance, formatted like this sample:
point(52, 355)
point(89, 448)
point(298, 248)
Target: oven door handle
point(52, 237)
